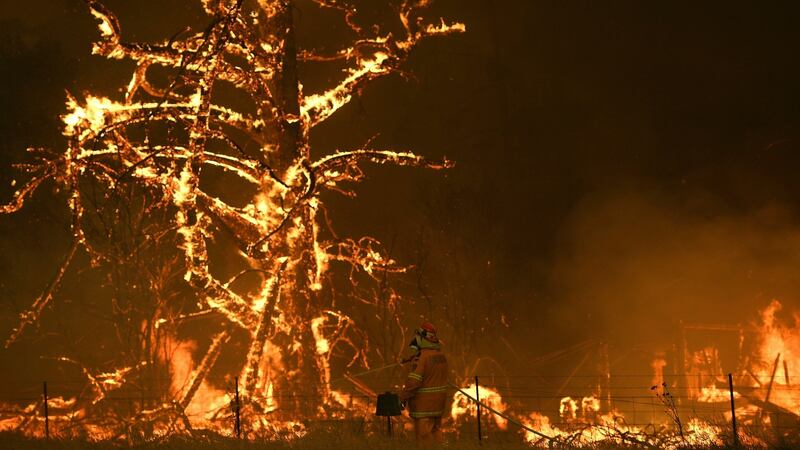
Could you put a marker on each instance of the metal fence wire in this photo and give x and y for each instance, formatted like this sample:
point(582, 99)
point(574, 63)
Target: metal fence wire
point(566, 403)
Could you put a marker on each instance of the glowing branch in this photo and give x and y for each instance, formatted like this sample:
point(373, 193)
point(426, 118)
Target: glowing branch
point(135, 173)
point(48, 171)
point(35, 311)
point(363, 254)
point(103, 383)
point(387, 59)
point(264, 330)
point(335, 160)
point(109, 29)
point(348, 10)
point(201, 372)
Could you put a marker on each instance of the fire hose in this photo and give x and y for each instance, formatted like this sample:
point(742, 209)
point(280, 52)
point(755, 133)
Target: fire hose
point(363, 388)
point(501, 414)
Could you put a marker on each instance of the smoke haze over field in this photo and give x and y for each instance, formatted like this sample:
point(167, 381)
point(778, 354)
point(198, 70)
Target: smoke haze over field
point(620, 167)
point(636, 262)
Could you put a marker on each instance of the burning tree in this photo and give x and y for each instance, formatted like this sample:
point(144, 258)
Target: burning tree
point(223, 107)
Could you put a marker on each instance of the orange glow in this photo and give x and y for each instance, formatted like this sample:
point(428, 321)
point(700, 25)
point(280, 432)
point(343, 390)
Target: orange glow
point(463, 408)
point(291, 328)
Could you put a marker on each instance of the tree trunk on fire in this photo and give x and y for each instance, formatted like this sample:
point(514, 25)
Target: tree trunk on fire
point(299, 390)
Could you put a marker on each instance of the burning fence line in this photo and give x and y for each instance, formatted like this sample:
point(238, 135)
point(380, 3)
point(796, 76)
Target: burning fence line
point(763, 399)
point(582, 425)
point(580, 421)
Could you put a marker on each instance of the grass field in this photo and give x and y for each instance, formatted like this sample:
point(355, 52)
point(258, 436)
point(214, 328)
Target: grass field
point(310, 442)
point(371, 435)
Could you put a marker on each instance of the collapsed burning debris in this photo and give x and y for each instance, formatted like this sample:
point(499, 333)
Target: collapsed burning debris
point(695, 413)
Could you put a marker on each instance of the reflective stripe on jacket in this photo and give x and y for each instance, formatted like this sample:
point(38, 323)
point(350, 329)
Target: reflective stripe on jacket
point(426, 385)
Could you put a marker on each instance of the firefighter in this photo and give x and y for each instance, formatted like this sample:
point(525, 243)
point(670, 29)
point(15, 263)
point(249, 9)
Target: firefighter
point(425, 389)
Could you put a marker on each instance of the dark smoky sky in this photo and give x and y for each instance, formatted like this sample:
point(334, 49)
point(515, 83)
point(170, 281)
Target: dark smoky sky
point(621, 165)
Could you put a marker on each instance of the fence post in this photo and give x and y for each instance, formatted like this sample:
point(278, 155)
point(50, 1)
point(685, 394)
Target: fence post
point(237, 424)
point(733, 411)
point(786, 372)
point(478, 397)
point(46, 413)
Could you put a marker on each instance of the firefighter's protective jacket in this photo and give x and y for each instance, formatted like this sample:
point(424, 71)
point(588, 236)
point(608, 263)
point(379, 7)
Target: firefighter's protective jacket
point(426, 385)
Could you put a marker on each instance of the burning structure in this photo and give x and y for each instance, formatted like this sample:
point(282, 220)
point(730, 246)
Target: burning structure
point(693, 400)
point(762, 366)
point(197, 195)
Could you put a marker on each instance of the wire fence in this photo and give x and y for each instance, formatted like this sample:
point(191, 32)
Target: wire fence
point(568, 402)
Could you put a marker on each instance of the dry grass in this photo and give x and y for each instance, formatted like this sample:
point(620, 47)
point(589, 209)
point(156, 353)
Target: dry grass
point(307, 443)
point(312, 441)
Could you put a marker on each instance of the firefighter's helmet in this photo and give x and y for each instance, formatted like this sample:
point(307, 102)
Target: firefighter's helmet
point(428, 331)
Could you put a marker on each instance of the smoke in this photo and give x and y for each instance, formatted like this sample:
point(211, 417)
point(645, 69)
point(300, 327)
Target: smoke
point(632, 263)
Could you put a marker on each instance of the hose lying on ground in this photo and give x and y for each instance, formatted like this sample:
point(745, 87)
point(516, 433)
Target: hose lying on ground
point(351, 378)
point(503, 415)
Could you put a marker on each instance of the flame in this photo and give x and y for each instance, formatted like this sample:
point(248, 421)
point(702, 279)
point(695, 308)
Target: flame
point(286, 318)
point(568, 408)
point(606, 428)
point(658, 365)
point(778, 338)
point(323, 346)
point(713, 394)
point(778, 356)
point(583, 425)
point(463, 407)
point(776, 350)
point(700, 433)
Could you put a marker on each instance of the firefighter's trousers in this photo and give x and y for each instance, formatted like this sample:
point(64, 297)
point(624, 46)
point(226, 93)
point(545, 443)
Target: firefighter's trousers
point(428, 429)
